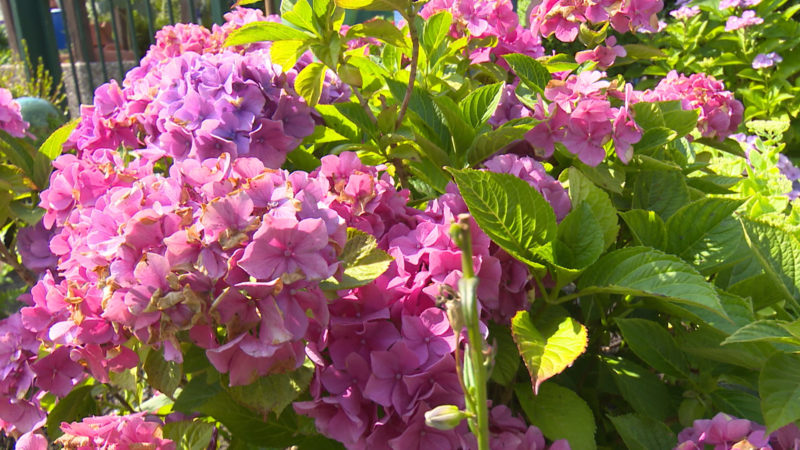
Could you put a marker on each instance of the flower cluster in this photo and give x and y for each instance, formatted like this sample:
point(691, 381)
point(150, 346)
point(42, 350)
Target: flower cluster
point(685, 12)
point(580, 117)
point(764, 60)
point(190, 98)
point(564, 17)
point(720, 112)
point(792, 173)
point(131, 431)
point(485, 18)
point(748, 19)
point(19, 412)
point(10, 116)
point(387, 357)
point(603, 55)
point(726, 432)
point(725, 4)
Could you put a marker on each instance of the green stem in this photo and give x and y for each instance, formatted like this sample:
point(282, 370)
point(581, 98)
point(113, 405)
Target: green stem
point(412, 31)
point(469, 302)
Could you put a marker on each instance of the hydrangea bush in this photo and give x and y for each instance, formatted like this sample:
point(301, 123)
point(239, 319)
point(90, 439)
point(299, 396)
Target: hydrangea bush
point(436, 233)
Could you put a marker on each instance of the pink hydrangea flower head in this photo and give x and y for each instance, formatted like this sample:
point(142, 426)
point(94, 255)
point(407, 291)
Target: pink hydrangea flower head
point(131, 431)
point(685, 12)
point(603, 55)
point(10, 116)
point(748, 19)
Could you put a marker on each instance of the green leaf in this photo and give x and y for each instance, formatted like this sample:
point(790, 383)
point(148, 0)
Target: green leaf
point(549, 346)
point(189, 435)
point(654, 138)
point(642, 271)
point(681, 121)
point(273, 393)
point(506, 357)
point(530, 71)
point(362, 260)
point(489, 143)
point(339, 122)
point(646, 227)
point(582, 190)
point(197, 392)
point(286, 53)
point(163, 375)
point(738, 403)
point(729, 145)
point(641, 388)
point(560, 413)
point(19, 152)
point(662, 191)
point(643, 433)
point(462, 132)
point(779, 389)
point(309, 81)
point(777, 331)
point(648, 115)
point(375, 5)
point(514, 215)
point(265, 31)
point(641, 51)
point(358, 116)
point(580, 239)
point(298, 13)
point(79, 403)
point(53, 146)
point(421, 103)
point(436, 29)
point(779, 254)
point(654, 345)
point(379, 29)
point(693, 222)
point(705, 343)
point(479, 106)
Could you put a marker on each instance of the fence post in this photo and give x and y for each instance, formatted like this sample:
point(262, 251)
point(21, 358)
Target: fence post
point(33, 24)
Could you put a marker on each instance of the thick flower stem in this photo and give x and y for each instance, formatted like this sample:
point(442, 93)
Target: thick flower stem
point(475, 381)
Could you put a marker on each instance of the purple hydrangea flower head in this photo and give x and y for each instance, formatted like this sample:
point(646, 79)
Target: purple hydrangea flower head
point(764, 60)
point(747, 19)
point(685, 12)
point(10, 116)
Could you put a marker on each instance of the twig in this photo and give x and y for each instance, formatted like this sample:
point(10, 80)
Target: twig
point(12, 261)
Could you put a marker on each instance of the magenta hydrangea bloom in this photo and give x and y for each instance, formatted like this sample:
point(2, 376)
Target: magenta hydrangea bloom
point(10, 117)
point(725, 432)
point(485, 18)
point(720, 112)
point(562, 18)
point(603, 55)
point(131, 431)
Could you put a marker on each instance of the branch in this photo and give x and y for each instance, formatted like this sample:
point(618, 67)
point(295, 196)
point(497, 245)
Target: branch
point(12, 261)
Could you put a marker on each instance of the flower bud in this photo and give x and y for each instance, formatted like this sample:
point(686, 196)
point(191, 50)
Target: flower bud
point(444, 417)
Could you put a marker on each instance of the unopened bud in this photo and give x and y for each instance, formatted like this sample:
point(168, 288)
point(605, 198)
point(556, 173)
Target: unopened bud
point(444, 417)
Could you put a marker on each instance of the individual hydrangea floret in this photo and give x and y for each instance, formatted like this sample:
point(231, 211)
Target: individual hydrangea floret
point(10, 116)
point(765, 60)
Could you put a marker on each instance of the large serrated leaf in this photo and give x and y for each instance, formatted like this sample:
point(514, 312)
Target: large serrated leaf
point(379, 29)
point(560, 413)
point(779, 253)
point(53, 145)
point(309, 82)
point(265, 31)
point(641, 388)
point(509, 210)
point(663, 191)
point(579, 240)
point(163, 375)
point(286, 53)
point(436, 29)
point(481, 103)
point(692, 222)
point(779, 389)
point(738, 403)
point(654, 345)
point(189, 435)
point(549, 346)
point(273, 393)
point(530, 71)
point(777, 331)
point(374, 5)
point(646, 227)
point(76, 405)
point(643, 433)
point(489, 143)
point(643, 271)
point(461, 131)
point(363, 261)
point(582, 190)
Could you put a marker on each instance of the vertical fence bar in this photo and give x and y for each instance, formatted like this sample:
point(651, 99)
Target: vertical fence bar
point(132, 31)
point(84, 48)
point(34, 25)
point(193, 12)
point(71, 58)
point(99, 37)
point(116, 41)
point(171, 12)
point(216, 11)
point(151, 27)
